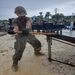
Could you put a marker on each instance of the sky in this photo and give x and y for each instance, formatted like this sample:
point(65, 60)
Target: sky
point(33, 7)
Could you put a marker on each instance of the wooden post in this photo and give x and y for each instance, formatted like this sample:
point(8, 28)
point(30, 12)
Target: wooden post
point(60, 32)
point(49, 46)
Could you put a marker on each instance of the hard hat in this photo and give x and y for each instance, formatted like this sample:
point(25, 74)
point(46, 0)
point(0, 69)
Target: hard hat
point(20, 11)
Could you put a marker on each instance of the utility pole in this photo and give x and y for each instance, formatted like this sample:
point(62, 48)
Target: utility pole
point(72, 15)
point(56, 10)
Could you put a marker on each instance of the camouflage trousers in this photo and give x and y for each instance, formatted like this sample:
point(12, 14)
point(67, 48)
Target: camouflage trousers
point(20, 45)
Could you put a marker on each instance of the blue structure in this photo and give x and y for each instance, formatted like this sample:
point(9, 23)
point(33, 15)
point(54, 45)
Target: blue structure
point(47, 27)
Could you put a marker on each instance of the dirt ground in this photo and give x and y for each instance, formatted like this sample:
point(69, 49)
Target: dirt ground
point(37, 65)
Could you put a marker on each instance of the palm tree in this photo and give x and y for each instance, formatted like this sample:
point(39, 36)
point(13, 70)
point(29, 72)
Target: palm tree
point(40, 13)
point(72, 15)
point(47, 15)
point(41, 16)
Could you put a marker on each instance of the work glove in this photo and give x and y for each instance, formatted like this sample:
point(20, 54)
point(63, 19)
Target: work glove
point(10, 31)
point(25, 31)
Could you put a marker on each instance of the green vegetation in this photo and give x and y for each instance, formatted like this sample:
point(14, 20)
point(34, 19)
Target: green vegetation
point(57, 16)
point(3, 20)
point(50, 18)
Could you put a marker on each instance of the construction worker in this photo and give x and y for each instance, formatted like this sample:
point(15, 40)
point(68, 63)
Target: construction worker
point(23, 23)
point(71, 25)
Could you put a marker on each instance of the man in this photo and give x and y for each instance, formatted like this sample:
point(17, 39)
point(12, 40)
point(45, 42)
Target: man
point(23, 23)
point(71, 25)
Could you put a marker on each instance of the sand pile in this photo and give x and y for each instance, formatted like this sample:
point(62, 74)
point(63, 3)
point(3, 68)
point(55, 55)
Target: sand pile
point(37, 65)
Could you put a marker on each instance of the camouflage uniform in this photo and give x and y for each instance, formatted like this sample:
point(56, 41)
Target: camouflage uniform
point(20, 43)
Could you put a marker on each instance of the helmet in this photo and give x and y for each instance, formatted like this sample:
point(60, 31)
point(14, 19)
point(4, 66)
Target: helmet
point(20, 11)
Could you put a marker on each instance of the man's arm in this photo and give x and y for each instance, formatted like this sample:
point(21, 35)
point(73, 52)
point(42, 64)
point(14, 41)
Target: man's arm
point(28, 24)
point(16, 29)
point(25, 31)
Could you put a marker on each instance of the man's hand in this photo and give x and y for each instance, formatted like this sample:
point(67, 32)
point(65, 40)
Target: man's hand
point(25, 31)
point(10, 31)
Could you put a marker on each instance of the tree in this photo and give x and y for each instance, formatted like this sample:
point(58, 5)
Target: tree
point(41, 16)
point(47, 15)
point(57, 16)
point(40, 13)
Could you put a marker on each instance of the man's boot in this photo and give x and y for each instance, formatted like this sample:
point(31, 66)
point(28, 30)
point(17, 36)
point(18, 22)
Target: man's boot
point(39, 53)
point(15, 66)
